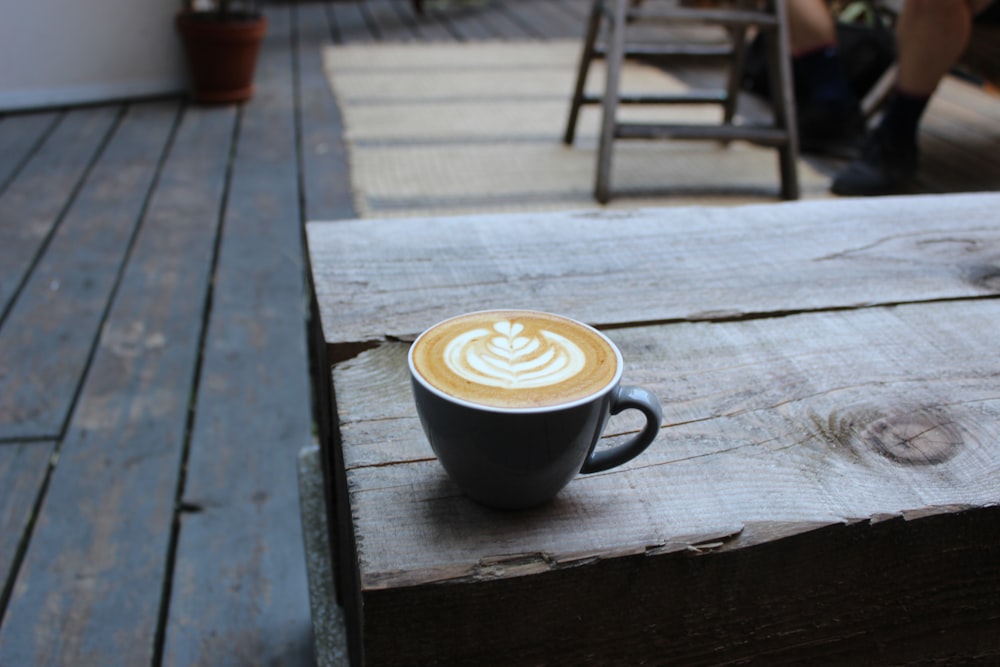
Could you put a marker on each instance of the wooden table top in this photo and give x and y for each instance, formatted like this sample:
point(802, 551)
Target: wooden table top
point(821, 365)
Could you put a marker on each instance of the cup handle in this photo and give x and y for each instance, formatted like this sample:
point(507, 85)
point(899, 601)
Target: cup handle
point(628, 398)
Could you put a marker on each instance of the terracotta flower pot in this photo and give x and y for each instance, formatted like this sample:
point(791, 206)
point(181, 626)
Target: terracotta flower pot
point(221, 55)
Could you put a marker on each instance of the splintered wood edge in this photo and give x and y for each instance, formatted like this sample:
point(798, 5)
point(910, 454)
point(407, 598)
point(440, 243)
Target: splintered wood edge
point(738, 537)
point(517, 565)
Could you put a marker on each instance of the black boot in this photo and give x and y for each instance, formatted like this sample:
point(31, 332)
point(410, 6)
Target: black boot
point(884, 168)
point(829, 116)
point(837, 130)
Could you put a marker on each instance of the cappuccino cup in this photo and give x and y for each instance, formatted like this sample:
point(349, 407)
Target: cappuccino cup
point(513, 403)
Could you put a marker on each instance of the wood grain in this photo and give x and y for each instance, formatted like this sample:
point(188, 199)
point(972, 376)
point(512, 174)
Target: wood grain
point(546, 19)
point(326, 179)
point(89, 587)
point(29, 215)
point(349, 22)
point(23, 470)
point(68, 292)
point(904, 591)
point(20, 136)
point(239, 591)
point(787, 421)
point(616, 268)
point(829, 382)
point(796, 458)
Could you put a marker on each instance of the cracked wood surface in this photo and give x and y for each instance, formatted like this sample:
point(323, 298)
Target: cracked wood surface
point(689, 263)
point(813, 419)
point(829, 382)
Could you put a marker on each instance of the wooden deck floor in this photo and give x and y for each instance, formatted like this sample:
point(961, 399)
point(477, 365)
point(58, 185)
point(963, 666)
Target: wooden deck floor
point(154, 353)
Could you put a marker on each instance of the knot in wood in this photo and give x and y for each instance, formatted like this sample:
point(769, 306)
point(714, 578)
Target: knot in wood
point(920, 437)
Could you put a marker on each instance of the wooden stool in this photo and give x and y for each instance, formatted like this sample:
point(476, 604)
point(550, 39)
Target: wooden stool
point(739, 17)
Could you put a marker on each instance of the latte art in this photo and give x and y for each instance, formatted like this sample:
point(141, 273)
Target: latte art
point(503, 357)
point(515, 359)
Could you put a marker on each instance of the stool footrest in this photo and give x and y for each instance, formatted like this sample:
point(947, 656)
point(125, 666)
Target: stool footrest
point(671, 51)
point(690, 97)
point(767, 136)
point(729, 17)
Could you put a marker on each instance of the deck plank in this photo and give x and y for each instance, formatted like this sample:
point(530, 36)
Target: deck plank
point(560, 21)
point(326, 178)
point(431, 27)
point(466, 23)
point(90, 584)
point(23, 469)
point(535, 19)
point(67, 294)
point(350, 23)
point(240, 593)
point(30, 211)
point(19, 137)
point(510, 24)
point(389, 24)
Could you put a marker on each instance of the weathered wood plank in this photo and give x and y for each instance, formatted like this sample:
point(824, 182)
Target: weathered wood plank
point(560, 21)
point(350, 24)
point(30, 209)
point(23, 469)
point(68, 292)
point(508, 25)
point(794, 434)
point(675, 262)
point(388, 24)
point(464, 23)
point(20, 135)
point(326, 178)
point(773, 428)
point(823, 366)
point(577, 9)
point(89, 588)
point(239, 590)
point(431, 27)
point(538, 20)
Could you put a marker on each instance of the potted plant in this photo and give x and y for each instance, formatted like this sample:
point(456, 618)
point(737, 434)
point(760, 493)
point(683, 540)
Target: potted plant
point(221, 40)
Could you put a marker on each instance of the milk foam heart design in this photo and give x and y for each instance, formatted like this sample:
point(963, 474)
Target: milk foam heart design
point(511, 360)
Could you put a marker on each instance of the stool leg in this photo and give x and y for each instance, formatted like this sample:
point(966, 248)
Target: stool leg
point(780, 72)
point(738, 37)
point(589, 41)
point(613, 59)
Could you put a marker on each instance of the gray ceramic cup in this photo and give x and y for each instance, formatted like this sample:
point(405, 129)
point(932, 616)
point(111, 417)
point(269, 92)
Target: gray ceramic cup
point(512, 454)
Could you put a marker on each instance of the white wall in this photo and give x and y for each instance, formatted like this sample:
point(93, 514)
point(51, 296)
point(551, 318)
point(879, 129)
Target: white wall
point(55, 52)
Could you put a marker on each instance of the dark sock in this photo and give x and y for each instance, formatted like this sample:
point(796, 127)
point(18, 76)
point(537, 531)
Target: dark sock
point(902, 117)
point(824, 77)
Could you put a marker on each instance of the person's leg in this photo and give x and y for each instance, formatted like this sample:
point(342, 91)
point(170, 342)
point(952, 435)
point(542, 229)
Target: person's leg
point(829, 118)
point(931, 36)
point(810, 26)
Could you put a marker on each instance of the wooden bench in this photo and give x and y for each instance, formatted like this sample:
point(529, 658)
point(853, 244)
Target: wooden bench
point(825, 487)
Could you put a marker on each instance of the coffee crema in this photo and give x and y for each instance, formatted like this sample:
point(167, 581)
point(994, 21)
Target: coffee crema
point(514, 359)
